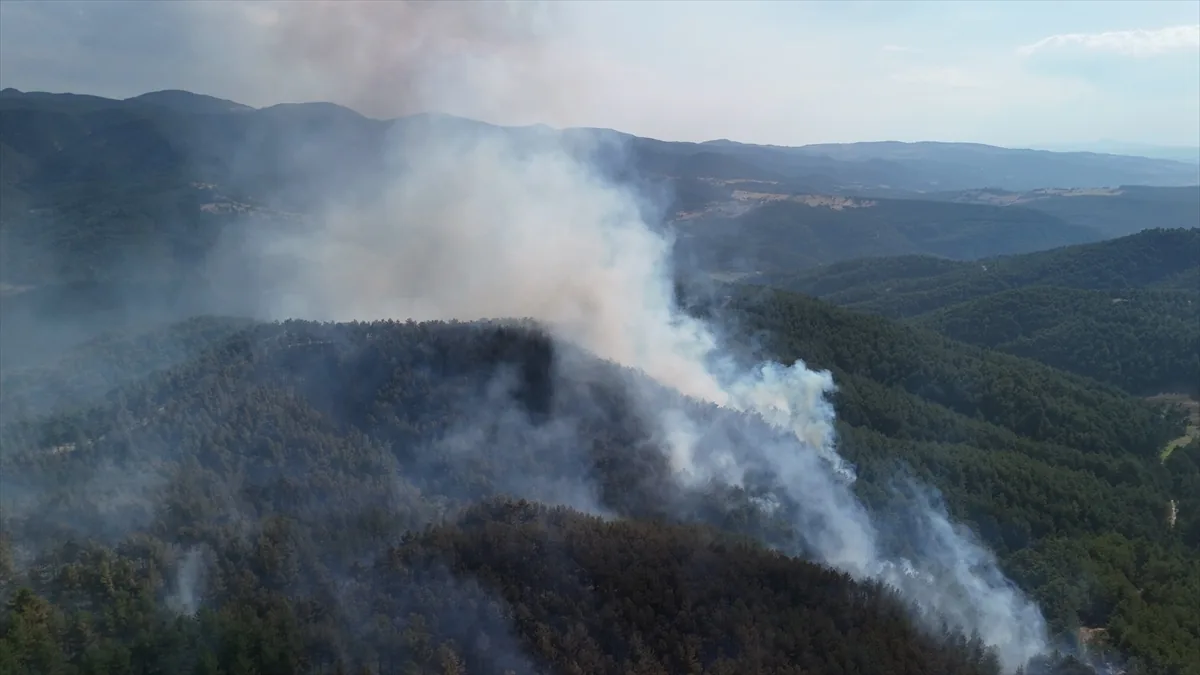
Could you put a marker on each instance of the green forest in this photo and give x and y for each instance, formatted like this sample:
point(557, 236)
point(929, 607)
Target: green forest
point(1125, 312)
point(1111, 212)
point(1144, 341)
point(901, 286)
point(782, 236)
point(264, 498)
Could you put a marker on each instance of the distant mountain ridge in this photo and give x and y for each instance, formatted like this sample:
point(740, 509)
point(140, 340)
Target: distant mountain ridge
point(187, 102)
point(99, 194)
point(923, 166)
point(160, 170)
point(1179, 153)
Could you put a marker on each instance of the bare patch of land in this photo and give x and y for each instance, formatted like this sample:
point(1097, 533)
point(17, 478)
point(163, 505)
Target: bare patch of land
point(227, 206)
point(835, 202)
point(1006, 198)
point(1192, 406)
point(754, 193)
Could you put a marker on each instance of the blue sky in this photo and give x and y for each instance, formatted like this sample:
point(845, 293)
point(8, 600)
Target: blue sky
point(1011, 72)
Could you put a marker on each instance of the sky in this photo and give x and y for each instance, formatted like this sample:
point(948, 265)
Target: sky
point(1016, 72)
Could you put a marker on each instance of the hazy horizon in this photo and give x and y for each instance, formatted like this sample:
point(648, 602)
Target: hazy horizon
point(1008, 74)
point(1183, 153)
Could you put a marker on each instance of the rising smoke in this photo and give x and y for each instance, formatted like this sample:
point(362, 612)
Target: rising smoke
point(484, 223)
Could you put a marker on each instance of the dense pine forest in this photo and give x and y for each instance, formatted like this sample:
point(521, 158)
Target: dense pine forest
point(909, 285)
point(226, 497)
point(1125, 311)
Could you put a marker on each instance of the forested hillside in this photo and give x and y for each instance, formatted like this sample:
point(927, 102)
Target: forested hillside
point(1109, 211)
point(787, 235)
point(915, 284)
point(1143, 341)
point(269, 479)
point(271, 465)
point(551, 590)
point(1124, 311)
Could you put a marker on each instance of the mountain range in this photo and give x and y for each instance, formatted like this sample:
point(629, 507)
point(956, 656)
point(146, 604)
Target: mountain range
point(95, 180)
point(1180, 153)
point(999, 347)
point(172, 125)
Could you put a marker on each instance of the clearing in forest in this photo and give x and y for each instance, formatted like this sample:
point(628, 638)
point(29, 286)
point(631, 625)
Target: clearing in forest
point(1192, 406)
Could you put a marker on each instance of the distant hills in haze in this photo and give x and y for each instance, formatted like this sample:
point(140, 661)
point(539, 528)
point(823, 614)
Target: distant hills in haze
point(100, 174)
point(746, 229)
point(97, 193)
point(184, 119)
point(1178, 153)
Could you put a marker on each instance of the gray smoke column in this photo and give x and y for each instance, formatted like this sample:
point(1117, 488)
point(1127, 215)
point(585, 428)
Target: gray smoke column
point(388, 59)
point(482, 224)
point(186, 598)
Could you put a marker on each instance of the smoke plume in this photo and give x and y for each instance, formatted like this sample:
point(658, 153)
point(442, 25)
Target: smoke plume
point(185, 599)
point(484, 223)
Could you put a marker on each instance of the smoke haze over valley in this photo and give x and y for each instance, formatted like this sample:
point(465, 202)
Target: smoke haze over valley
point(482, 377)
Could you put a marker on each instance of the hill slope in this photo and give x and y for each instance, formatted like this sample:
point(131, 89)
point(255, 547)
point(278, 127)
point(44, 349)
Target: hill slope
point(1112, 212)
point(1151, 259)
point(1143, 341)
point(1124, 311)
point(631, 590)
point(311, 426)
point(802, 232)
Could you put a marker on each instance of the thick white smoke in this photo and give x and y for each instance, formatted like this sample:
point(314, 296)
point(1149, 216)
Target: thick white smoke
point(487, 225)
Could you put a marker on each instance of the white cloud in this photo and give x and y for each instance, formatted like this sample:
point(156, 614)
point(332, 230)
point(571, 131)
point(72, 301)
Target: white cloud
point(1136, 43)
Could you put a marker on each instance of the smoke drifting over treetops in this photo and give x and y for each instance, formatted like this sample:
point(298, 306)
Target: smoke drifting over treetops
point(495, 224)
